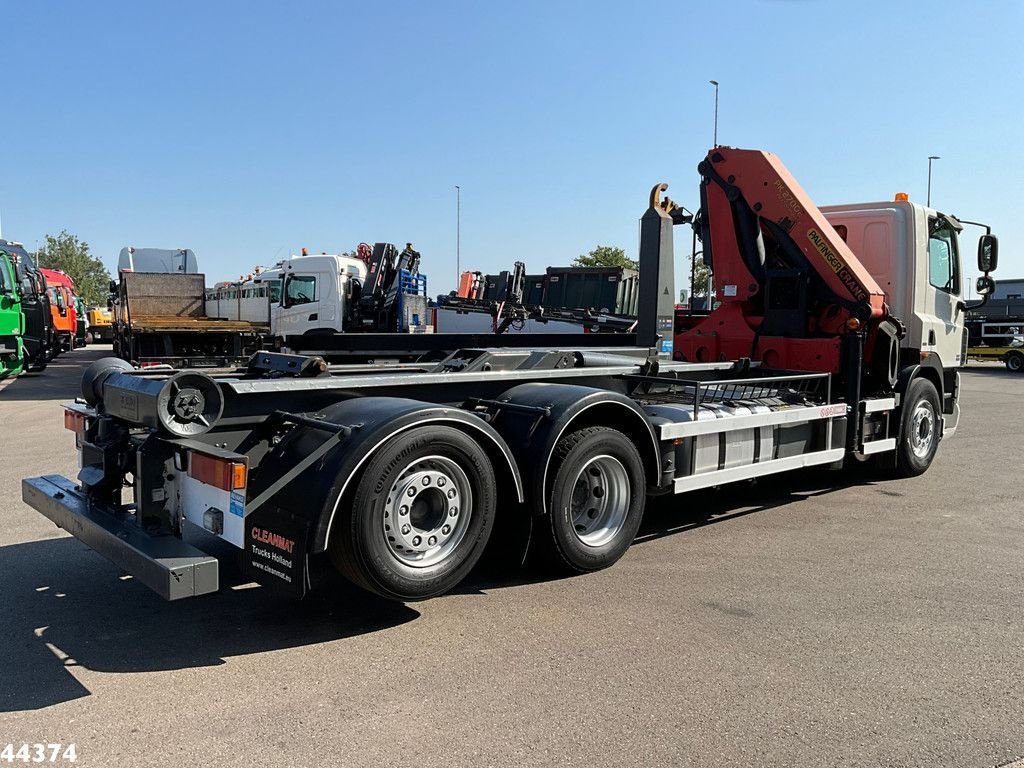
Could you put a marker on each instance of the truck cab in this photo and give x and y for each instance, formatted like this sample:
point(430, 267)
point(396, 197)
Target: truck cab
point(37, 331)
point(60, 291)
point(12, 322)
point(913, 253)
point(315, 294)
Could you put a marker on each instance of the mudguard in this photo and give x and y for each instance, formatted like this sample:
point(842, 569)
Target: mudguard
point(316, 493)
point(930, 366)
point(558, 408)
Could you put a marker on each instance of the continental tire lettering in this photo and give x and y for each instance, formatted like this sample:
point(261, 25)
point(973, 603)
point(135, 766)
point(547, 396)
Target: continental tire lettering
point(836, 264)
point(274, 540)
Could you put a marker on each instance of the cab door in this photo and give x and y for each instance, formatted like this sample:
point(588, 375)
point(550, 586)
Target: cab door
point(299, 312)
point(38, 321)
point(943, 318)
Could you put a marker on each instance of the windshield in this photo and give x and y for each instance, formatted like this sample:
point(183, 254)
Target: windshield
point(300, 289)
point(6, 274)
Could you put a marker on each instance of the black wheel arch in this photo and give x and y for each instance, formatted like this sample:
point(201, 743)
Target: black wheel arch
point(930, 367)
point(374, 420)
point(533, 436)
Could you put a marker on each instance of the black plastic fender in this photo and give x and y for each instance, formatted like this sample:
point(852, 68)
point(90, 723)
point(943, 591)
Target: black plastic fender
point(317, 492)
point(532, 435)
point(930, 365)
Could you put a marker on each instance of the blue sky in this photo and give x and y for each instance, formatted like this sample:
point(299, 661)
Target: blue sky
point(248, 130)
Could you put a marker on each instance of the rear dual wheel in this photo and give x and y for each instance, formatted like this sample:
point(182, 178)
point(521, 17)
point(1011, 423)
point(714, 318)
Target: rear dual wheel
point(1015, 362)
point(596, 500)
point(420, 516)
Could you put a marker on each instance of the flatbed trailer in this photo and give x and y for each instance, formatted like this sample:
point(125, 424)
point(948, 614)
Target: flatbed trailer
point(160, 319)
point(1011, 357)
point(398, 474)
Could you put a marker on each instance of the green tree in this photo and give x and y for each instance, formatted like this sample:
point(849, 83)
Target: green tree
point(605, 256)
point(69, 254)
point(701, 278)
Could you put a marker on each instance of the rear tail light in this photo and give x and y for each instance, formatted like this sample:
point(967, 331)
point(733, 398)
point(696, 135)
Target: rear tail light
point(74, 421)
point(221, 473)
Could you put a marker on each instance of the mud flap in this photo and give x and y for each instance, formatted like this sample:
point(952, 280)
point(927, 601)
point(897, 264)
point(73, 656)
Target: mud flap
point(276, 550)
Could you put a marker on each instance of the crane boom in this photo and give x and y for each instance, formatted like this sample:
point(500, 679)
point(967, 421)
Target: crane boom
point(753, 187)
point(789, 287)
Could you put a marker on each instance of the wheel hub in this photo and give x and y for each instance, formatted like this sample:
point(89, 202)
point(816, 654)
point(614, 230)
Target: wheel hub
point(600, 500)
point(922, 430)
point(427, 512)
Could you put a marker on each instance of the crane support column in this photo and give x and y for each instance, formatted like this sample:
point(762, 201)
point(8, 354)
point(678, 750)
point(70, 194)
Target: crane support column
point(657, 275)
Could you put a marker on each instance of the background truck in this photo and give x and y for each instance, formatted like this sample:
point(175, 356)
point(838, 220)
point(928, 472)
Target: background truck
point(355, 309)
point(100, 325)
point(61, 291)
point(29, 300)
point(166, 260)
point(12, 322)
point(81, 323)
point(160, 318)
point(399, 475)
point(995, 332)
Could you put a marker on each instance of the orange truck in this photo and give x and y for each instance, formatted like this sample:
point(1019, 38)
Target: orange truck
point(61, 290)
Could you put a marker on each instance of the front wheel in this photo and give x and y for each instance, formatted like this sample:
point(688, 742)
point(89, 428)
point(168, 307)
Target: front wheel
point(1015, 362)
point(420, 516)
point(919, 429)
point(596, 501)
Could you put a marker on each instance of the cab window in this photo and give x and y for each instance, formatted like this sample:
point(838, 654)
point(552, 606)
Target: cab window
point(943, 258)
point(275, 291)
point(300, 289)
point(6, 283)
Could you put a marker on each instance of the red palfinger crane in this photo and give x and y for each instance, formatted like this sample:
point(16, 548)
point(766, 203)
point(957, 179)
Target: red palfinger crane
point(789, 287)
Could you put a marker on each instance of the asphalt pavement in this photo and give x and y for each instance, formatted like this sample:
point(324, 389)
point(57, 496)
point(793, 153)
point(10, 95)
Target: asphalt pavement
point(817, 619)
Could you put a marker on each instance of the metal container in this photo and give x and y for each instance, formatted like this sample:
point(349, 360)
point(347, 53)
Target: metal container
point(595, 288)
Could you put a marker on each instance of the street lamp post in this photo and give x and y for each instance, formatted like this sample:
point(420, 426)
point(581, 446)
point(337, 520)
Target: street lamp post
point(715, 83)
point(930, 159)
point(458, 234)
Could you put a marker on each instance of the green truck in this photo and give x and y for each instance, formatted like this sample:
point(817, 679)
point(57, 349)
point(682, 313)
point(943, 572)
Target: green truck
point(26, 330)
point(12, 323)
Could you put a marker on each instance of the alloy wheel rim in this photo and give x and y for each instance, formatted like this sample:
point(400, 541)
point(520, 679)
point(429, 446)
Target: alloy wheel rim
point(427, 512)
point(599, 501)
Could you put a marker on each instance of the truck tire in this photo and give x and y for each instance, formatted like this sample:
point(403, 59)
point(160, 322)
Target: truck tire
point(420, 516)
point(596, 500)
point(1015, 362)
point(919, 429)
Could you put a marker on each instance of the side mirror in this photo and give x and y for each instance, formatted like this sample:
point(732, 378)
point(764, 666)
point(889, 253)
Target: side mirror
point(985, 285)
point(113, 286)
point(988, 253)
